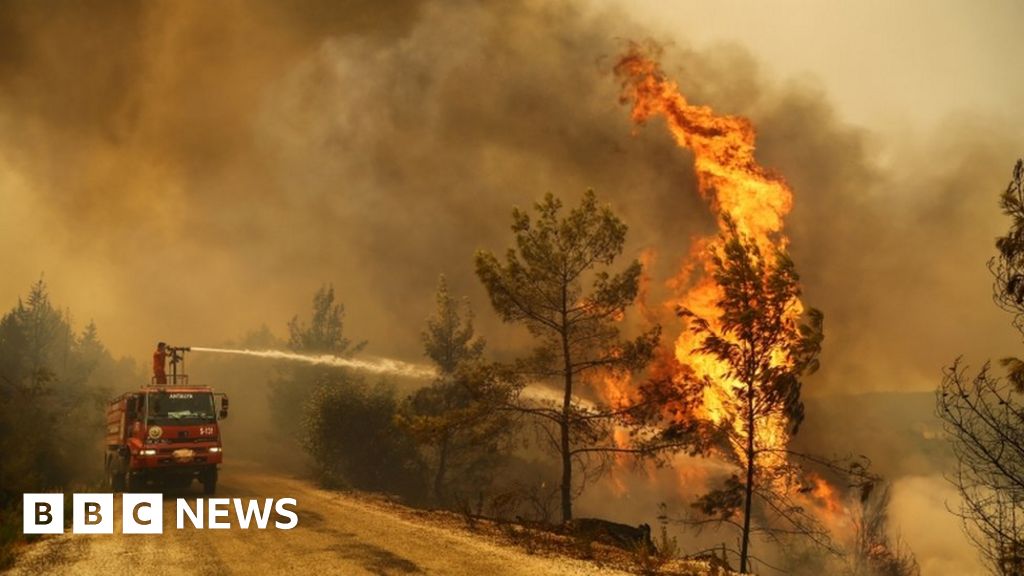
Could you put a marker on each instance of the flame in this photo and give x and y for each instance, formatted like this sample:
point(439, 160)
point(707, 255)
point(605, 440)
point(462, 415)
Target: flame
point(723, 149)
point(828, 505)
point(738, 189)
point(643, 299)
point(617, 389)
point(757, 201)
point(825, 495)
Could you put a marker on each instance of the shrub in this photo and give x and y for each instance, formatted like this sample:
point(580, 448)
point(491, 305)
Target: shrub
point(352, 436)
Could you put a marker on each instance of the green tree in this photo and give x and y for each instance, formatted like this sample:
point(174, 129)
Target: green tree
point(541, 285)
point(325, 333)
point(449, 338)
point(293, 388)
point(459, 417)
point(760, 338)
point(50, 375)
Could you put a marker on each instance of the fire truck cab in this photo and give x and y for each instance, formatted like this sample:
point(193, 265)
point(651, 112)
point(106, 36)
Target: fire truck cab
point(165, 433)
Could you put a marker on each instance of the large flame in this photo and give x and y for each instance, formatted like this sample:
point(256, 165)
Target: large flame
point(739, 189)
point(723, 148)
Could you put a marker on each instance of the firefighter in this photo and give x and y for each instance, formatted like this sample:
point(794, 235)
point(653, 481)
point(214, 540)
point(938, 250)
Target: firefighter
point(159, 363)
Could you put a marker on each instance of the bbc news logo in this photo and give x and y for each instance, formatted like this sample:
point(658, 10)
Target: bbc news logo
point(144, 513)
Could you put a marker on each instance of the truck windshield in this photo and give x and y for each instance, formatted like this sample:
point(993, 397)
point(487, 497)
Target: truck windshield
point(181, 407)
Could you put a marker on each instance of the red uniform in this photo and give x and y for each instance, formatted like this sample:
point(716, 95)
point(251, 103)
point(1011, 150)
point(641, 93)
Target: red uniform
point(159, 363)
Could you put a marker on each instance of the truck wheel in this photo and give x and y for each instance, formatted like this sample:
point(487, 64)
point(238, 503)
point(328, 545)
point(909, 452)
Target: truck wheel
point(131, 482)
point(114, 480)
point(210, 482)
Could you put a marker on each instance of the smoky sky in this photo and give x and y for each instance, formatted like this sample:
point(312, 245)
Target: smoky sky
point(188, 171)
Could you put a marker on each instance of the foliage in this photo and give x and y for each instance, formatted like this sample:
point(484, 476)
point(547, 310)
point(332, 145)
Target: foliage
point(352, 435)
point(1008, 266)
point(449, 338)
point(761, 338)
point(458, 419)
point(541, 285)
point(347, 428)
point(325, 332)
point(293, 388)
point(50, 376)
point(982, 416)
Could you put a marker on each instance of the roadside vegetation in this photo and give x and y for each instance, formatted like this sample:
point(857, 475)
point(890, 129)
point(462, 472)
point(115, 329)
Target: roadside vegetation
point(51, 374)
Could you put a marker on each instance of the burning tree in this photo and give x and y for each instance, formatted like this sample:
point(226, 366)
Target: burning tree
point(762, 348)
point(541, 285)
point(983, 416)
point(736, 371)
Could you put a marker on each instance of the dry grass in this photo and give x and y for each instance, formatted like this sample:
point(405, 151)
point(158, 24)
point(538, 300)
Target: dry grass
point(548, 540)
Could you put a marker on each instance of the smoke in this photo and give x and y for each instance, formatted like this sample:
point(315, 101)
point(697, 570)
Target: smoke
point(218, 163)
point(188, 171)
point(204, 159)
point(919, 507)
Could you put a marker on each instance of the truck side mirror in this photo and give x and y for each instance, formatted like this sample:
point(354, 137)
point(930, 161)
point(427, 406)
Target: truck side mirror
point(223, 407)
point(131, 406)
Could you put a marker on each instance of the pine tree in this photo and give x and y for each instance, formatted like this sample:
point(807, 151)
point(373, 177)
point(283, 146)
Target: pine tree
point(761, 340)
point(542, 284)
point(459, 417)
point(292, 390)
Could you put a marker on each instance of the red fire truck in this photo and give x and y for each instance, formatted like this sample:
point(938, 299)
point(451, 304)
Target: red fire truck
point(165, 433)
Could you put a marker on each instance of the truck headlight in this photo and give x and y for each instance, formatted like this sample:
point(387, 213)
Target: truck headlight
point(147, 452)
point(215, 449)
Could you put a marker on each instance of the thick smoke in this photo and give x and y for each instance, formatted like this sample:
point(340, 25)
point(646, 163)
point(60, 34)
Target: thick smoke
point(190, 171)
point(187, 172)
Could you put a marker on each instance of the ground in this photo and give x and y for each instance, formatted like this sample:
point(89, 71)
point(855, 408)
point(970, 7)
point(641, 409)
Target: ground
point(338, 533)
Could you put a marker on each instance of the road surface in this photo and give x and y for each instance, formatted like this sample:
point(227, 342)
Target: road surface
point(336, 534)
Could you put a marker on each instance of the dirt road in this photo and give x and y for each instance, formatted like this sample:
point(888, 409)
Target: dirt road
point(336, 534)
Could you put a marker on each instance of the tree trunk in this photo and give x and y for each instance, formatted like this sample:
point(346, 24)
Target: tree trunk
point(442, 463)
point(748, 489)
point(564, 424)
point(566, 473)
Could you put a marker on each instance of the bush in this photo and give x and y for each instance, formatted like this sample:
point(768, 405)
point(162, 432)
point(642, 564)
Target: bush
point(352, 436)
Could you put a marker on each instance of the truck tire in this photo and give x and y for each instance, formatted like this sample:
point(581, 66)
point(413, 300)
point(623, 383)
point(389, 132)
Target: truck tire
point(209, 481)
point(131, 481)
point(115, 480)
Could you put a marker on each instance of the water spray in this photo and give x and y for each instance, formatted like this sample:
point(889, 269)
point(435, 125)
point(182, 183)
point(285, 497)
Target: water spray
point(374, 365)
